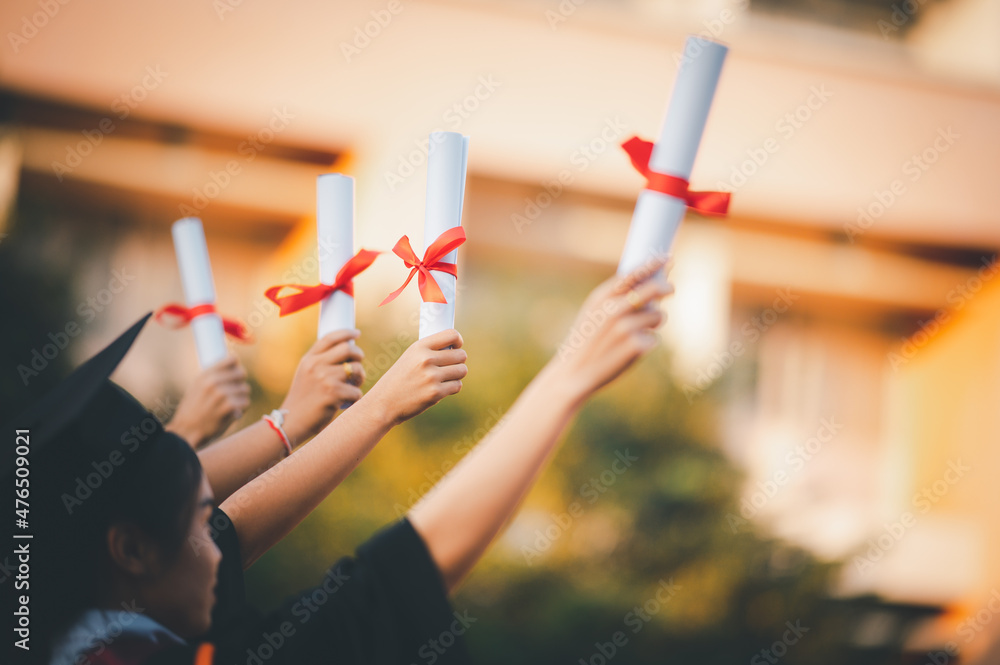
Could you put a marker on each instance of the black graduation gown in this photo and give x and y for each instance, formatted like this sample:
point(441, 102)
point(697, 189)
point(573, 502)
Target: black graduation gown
point(385, 606)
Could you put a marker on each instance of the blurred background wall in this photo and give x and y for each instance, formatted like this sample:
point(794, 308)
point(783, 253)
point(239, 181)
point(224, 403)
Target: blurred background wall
point(835, 341)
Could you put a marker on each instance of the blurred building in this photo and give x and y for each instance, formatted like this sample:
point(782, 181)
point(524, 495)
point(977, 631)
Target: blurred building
point(848, 302)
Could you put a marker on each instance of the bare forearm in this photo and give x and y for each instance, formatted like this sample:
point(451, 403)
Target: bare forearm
point(271, 505)
point(267, 508)
point(236, 460)
point(320, 386)
point(463, 514)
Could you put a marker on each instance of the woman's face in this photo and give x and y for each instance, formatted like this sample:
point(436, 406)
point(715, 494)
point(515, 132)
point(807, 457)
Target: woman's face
point(184, 590)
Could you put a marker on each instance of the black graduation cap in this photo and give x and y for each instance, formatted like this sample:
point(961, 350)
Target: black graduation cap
point(93, 452)
point(87, 419)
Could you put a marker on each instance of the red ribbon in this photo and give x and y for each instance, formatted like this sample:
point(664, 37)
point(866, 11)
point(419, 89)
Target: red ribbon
point(310, 295)
point(710, 203)
point(182, 316)
point(429, 289)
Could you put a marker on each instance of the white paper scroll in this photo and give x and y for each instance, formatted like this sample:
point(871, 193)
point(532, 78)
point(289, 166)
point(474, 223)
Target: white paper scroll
point(657, 216)
point(335, 227)
point(199, 289)
point(446, 166)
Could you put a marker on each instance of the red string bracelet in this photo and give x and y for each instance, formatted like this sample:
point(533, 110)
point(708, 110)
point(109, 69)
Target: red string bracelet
point(276, 419)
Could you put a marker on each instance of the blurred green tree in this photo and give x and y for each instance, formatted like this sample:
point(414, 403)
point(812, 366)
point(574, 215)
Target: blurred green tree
point(626, 549)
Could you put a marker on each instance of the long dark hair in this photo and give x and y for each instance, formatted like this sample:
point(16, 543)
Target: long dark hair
point(154, 487)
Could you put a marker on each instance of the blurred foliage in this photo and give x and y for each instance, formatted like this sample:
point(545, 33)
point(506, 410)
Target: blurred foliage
point(594, 541)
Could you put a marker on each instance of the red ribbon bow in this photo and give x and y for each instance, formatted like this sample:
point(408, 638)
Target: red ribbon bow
point(429, 289)
point(310, 295)
point(711, 203)
point(182, 316)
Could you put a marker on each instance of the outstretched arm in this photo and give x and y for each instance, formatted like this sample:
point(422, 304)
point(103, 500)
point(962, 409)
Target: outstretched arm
point(267, 508)
point(320, 387)
point(467, 509)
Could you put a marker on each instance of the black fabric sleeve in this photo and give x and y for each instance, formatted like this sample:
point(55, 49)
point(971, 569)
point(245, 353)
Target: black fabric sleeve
point(230, 592)
point(386, 606)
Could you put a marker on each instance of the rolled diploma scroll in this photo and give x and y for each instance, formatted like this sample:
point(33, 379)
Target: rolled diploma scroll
point(657, 216)
point(199, 289)
point(446, 166)
point(335, 228)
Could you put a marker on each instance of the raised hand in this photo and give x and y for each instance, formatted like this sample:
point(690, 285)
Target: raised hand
point(218, 397)
point(465, 511)
point(427, 372)
point(268, 507)
point(326, 379)
point(614, 328)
